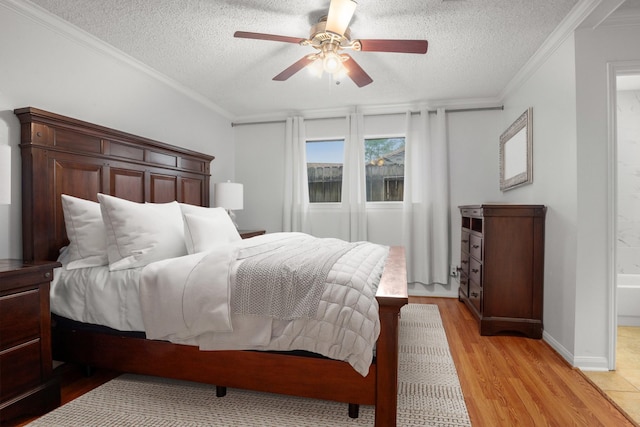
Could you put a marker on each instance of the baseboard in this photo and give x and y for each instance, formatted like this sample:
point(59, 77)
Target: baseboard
point(583, 363)
point(600, 364)
point(434, 290)
point(628, 320)
point(560, 349)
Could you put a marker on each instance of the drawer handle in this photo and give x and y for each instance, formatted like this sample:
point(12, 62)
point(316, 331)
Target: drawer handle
point(475, 270)
point(475, 294)
point(465, 241)
point(475, 246)
point(464, 262)
point(47, 275)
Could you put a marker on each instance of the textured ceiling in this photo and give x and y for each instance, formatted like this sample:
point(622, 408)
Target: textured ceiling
point(475, 47)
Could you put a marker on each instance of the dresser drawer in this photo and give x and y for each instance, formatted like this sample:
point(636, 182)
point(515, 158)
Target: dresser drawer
point(475, 295)
point(475, 246)
point(19, 318)
point(464, 283)
point(464, 263)
point(464, 241)
point(475, 271)
point(19, 369)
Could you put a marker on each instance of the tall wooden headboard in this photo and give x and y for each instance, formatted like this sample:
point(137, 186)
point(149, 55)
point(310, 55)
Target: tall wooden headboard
point(61, 155)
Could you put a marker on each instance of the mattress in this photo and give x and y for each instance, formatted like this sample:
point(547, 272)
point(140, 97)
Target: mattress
point(344, 328)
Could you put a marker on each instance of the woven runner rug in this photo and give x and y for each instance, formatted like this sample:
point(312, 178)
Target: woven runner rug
point(429, 394)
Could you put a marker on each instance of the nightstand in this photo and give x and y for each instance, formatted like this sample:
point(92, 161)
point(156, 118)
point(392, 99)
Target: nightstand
point(27, 385)
point(245, 234)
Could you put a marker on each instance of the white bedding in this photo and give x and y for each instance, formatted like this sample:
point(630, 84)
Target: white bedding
point(90, 294)
point(345, 326)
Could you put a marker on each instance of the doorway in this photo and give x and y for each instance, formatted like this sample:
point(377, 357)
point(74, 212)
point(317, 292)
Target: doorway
point(627, 142)
point(622, 382)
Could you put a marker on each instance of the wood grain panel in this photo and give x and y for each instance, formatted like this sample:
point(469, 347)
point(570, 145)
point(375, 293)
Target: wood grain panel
point(192, 164)
point(19, 317)
point(127, 184)
point(164, 188)
point(16, 369)
point(192, 191)
point(161, 158)
point(126, 151)
point(82, 180)
point(76, 141)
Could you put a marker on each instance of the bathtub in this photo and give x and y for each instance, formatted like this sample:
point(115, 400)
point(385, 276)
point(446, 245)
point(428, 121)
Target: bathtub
point(628, 299)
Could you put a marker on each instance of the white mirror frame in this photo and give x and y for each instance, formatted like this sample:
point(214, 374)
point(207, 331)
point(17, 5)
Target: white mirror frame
point(516, 153)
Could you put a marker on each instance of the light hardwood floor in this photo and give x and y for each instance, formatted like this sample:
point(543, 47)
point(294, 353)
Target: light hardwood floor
point(506, 381)
point(516, 381)
point(623, 385)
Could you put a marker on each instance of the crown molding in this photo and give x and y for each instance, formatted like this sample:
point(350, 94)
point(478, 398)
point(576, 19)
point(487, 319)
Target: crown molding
point(373, 110)
point(567, 26)
point(53, 23)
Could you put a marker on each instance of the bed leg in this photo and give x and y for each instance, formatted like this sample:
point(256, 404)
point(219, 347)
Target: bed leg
point(354, 410)
point(88, 371)
point(221, 391)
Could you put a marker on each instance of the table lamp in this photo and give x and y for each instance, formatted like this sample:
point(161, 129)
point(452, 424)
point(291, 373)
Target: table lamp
point(228, 195)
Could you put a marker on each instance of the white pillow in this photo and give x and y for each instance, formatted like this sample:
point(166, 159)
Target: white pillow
point(206, 228)
point(86, 233)
point(141, 233)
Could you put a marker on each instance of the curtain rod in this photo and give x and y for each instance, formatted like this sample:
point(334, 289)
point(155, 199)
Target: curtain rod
point(452, 110)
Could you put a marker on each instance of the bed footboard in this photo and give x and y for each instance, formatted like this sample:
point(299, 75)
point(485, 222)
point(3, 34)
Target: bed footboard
point(392, 295)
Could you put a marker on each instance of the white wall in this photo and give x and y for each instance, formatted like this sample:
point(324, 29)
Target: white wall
point(594, 49)
point(44, 66)
point(474, 167)
point(260, 168)
point(550, 90)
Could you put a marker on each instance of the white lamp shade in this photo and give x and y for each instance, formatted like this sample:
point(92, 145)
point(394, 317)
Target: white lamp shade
point(228, 195)
point(5, 175)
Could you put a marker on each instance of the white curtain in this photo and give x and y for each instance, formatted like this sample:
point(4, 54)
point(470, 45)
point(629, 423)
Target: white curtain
point(296, 190)
point(354, 209)
point(426, 199)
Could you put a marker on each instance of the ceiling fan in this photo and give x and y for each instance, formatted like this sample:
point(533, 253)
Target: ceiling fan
point(330, 36)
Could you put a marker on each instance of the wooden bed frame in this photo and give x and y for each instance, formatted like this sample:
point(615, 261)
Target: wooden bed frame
point(61, 155)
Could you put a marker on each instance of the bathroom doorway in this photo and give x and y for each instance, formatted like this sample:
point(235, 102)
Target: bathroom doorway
point(627, 218)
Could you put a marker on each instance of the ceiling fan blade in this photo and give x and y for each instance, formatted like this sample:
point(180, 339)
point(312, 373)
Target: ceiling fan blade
point(272, 37)
point(355, 72)
point(294, 68)
point(400, 46)
point(340, 14)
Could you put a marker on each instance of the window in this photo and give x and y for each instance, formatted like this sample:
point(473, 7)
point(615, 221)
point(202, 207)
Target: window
point(384, 158)
point(325, 161)
point(384, 169)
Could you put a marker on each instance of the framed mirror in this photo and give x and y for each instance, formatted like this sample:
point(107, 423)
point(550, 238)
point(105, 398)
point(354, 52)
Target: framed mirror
point(516, 153)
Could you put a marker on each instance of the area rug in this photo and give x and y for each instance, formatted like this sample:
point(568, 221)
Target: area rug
point(429, 394)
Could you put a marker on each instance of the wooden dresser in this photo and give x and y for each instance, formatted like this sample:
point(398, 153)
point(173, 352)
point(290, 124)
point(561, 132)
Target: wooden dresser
point(502, 267)
point(27, 386)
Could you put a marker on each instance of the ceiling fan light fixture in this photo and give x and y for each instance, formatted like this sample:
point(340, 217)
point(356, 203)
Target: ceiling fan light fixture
point(332, 62)
point(340, 14)
point(330, 37)
point(316, 69)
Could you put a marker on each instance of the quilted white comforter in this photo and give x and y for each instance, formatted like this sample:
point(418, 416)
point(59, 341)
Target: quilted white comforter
point(189, 300)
